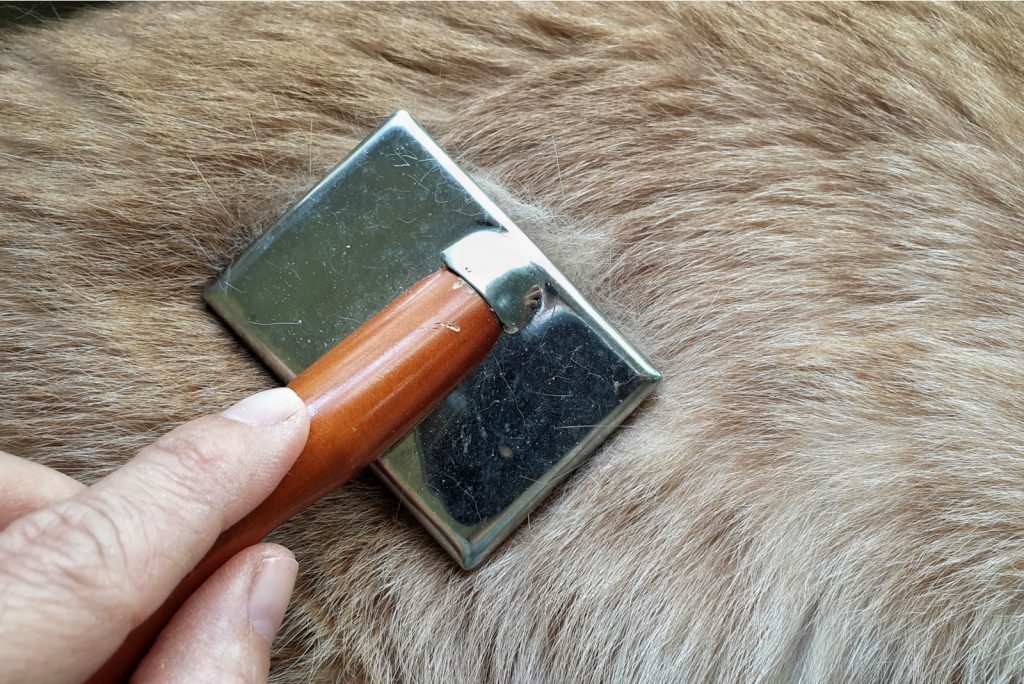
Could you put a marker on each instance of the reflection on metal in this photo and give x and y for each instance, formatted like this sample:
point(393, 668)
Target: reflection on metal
point(544, 399)
point(507, 269)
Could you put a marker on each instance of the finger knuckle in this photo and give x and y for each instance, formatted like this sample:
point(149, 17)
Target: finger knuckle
point(190, 463)
point(75, 548)
point(192, 449)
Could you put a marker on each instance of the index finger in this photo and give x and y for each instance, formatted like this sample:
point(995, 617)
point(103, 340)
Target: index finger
point(77, 576)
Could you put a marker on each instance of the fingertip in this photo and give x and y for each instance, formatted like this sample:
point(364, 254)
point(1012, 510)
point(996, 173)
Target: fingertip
point(271, 591)
point(266, 409)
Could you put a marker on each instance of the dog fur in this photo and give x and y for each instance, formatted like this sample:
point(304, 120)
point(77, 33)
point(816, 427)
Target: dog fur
point(809, 216)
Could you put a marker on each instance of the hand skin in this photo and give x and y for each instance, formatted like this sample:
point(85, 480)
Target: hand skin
point(80, 566)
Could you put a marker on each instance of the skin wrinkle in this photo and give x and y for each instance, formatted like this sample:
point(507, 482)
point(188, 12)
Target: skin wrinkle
point(93, 585)
point(807, 215)
point(169, 494)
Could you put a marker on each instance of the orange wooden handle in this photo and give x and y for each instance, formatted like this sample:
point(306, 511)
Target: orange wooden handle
point(362, 396)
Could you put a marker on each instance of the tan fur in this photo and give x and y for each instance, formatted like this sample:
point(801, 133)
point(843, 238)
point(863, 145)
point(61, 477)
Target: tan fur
point(809, 216)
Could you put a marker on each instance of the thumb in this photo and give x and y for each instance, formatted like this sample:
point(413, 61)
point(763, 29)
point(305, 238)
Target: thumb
point(224, 631)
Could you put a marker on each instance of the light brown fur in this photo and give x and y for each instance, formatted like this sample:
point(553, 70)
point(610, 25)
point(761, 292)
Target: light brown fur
point(809, 216)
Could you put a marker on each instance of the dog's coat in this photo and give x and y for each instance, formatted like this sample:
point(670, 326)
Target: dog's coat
point(808, 216)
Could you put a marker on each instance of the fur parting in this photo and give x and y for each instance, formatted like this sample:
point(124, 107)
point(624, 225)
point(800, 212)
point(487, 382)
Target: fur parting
point(808, 216)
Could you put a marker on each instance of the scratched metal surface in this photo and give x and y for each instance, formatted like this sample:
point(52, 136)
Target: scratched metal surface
point(542, 401)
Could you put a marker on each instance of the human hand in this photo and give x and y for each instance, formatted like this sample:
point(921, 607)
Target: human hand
point(80, 567)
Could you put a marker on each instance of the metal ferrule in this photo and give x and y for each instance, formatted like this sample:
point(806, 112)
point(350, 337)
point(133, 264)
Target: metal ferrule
point(502, 267)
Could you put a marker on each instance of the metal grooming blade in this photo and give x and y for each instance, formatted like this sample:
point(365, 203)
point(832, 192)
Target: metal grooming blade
point(551, 390)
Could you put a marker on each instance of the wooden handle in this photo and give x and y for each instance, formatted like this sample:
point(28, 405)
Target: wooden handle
point(362, 396)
